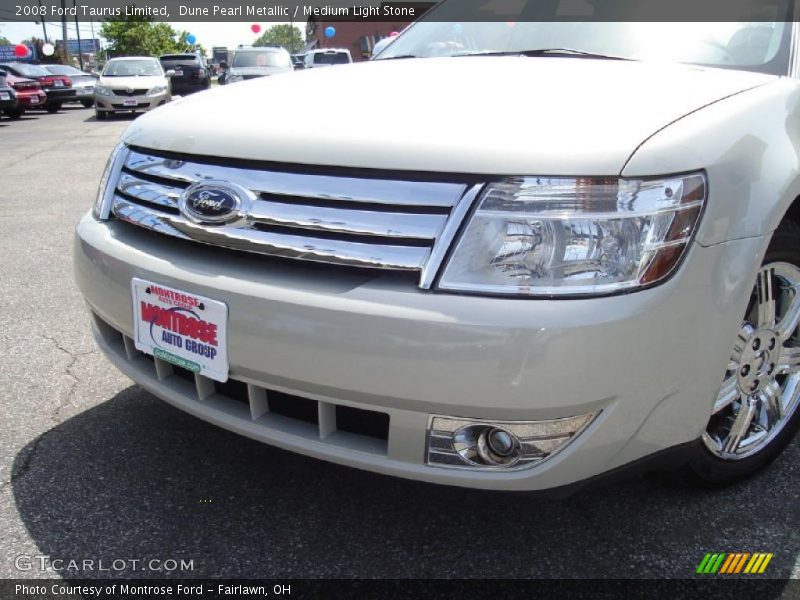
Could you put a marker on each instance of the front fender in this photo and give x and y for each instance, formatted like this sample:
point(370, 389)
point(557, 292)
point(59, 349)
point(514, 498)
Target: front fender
point(749, 145)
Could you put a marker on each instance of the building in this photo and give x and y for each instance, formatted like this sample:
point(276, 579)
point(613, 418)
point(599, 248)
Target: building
point(357, 36)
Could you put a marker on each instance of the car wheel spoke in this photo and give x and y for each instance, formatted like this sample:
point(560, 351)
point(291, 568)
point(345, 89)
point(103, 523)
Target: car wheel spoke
point(728, 393)
point(771, 399)
point(788, 323)
point(765, 299)
point(741, 425)
point(789, 361)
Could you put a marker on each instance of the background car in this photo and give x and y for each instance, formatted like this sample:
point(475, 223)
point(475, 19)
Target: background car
point(8, 99)
point(29, 95)
point(57, 87)
point(327, 57)
point(131, 84)
point(83, 83)
point(258, 61)
point(191, 73)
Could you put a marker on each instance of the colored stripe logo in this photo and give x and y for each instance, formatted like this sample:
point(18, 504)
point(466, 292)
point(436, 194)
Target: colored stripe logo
point(734, 563)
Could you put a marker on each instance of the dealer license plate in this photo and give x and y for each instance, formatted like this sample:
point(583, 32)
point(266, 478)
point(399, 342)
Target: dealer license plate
point(181, 328)
point(5, 96)
point(58, 83)
point(130, 102)
point(179, 72)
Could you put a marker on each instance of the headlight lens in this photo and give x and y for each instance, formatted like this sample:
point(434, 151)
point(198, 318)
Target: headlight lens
point(156, 90)
point(105, 192)
point(102, 90)
point(559, 236)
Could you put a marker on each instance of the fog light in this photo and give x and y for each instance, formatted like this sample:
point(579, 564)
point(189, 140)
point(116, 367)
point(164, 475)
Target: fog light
point(471, 443)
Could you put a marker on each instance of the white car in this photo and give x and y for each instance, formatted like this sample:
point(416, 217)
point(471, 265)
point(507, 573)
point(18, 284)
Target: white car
point(560, 250)
point(131, 84)
point(327, 57)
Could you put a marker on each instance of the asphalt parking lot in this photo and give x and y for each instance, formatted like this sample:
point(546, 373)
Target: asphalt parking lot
point(94, 467)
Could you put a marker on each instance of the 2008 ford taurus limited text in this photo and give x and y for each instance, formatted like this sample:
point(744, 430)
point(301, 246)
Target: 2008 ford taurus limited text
point(551, 250)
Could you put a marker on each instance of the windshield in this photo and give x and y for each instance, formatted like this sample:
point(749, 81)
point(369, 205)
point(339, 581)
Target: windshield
point(30, 70)
point(64, 70)
point(330, 58)
point(758, 46)
point(262, 59)
point(132, 68)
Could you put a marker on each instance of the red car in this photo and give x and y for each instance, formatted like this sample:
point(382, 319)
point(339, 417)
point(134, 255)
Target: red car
point(57, 87)
point(29, 95)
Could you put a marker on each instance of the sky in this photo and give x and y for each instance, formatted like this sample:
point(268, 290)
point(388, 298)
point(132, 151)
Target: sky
point(208, 34)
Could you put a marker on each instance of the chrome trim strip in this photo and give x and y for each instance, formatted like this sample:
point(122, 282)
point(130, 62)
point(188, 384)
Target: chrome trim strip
point(447, 237)
point(108, 183)
point(302, 185)
point(148, 191)
point(357, 222)
point(401, 258)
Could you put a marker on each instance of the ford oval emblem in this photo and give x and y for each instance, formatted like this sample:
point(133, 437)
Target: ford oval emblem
point(211, 203)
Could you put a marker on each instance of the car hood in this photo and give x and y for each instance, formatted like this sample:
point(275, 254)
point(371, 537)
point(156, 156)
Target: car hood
point(136, 83)
point(492, 115)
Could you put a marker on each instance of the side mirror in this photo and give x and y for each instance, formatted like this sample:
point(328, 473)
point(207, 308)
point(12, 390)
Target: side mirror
point(170, 73)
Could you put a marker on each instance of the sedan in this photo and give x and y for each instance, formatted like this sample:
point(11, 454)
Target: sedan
point(8, 99)
point(57, 87)
point(30, 96)
point(83, 83)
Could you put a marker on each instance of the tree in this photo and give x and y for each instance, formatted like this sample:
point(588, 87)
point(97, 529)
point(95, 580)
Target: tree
point(4, 41)
point(284, 35)
point(139, 36)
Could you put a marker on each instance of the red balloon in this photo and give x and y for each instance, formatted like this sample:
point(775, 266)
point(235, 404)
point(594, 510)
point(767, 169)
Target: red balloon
point(255, 27)
point(21, 50)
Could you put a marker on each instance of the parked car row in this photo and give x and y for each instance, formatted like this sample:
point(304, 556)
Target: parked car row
point(46, 87)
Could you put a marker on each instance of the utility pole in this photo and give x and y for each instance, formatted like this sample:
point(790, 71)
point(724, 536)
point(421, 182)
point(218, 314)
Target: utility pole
point(64, 33)
point(44, 27)
point(78, 34)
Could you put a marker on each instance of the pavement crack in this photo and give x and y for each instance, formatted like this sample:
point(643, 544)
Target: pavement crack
point(69, 372)
point(64, 399)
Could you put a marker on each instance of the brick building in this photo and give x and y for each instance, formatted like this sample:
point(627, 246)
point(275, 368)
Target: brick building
point(357, 36)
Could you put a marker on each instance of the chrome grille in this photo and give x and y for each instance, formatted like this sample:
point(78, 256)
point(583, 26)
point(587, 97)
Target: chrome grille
point(393, 223)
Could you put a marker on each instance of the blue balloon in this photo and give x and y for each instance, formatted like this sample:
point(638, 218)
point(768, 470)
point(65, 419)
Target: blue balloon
point(191, 39)
point(330, 32)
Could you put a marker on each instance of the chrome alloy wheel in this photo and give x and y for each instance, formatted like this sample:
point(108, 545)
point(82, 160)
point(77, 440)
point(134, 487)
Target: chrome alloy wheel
point(761, 387)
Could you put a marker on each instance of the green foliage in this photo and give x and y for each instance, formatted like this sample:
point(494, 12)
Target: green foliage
point(139, 36)
point(4, 41)
point(287, 36)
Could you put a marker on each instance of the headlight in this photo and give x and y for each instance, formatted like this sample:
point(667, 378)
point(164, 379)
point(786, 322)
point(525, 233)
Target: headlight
point(564, 237)
point(105, 192)
point(102, 90)
point(156, 90)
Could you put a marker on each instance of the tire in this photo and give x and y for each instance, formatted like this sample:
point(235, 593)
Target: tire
point(100, 115)
point(87, 103)
point(15, 113)
point(53, 108)
point(708, 468)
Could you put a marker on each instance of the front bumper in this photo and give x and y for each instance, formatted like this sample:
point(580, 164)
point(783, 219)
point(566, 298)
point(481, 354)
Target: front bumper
point(118, 103)
point(649, 363)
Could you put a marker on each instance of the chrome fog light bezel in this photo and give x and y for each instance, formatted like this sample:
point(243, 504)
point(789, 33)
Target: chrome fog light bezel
point(454, 442)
